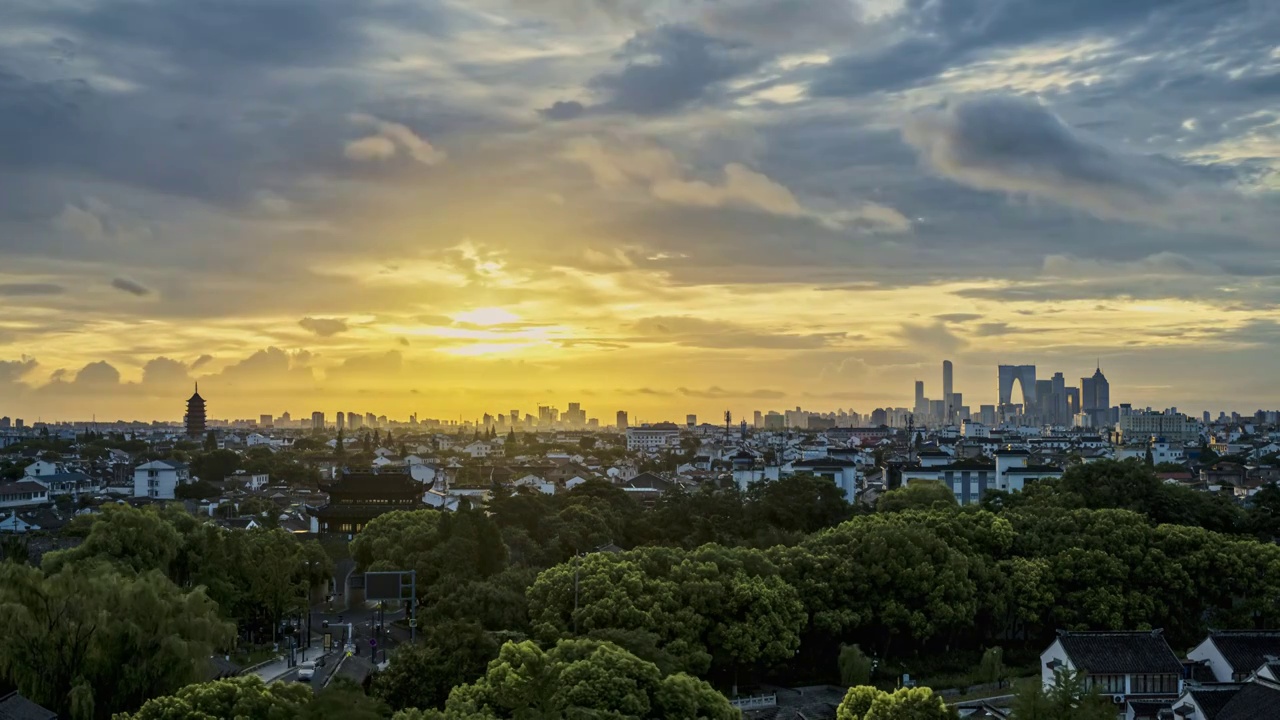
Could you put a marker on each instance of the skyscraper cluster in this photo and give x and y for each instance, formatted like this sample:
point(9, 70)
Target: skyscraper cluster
point(1043, 402)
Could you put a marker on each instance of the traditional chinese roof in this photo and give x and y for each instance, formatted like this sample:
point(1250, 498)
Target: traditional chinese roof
point(1120, 653)
point(1246, 650)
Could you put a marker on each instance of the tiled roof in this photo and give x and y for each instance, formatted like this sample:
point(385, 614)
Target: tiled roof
point(1255, 701)
point(22, 486)
point(1212, 698)
point(1246, 650)
point(15, 707)
point(1120, 652)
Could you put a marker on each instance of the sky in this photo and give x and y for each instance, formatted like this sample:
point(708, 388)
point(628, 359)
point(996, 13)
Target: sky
point(456, 206)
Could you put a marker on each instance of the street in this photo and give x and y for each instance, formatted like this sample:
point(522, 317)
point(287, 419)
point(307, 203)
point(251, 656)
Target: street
point(363, 624)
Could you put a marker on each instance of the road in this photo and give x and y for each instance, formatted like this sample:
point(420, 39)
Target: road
point(322, 673)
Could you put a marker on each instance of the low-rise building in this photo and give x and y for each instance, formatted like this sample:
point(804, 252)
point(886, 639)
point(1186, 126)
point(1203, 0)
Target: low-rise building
point(23, 493)
point(1120, 665)
point(1234, 655)
point(159, 479)
point(652, 438)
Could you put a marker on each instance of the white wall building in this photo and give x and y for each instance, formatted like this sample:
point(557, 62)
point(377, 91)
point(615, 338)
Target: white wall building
point(24, 493)
point(159, 479)
point(652, 438)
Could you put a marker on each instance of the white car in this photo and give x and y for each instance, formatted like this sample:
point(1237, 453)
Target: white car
point(306, 671)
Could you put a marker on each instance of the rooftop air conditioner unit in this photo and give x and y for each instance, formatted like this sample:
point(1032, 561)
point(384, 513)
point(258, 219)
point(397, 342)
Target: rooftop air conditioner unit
point(1117, 699)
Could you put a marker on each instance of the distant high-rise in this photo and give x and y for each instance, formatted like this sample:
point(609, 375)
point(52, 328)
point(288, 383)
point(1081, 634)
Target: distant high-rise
point(317, 420)
point(757, 419)
point(690, 420)
point(370, 420)
point(195, 414)
point(622, 420)
point(1095, 398)
point(264, 421)
point(922, 405)
point(947, 375)
point(341, 420)
point(1026, 377)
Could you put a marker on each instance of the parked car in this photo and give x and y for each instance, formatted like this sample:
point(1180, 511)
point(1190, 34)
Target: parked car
point(306, 671)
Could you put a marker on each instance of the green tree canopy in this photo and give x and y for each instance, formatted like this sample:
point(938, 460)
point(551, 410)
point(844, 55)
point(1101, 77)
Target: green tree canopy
point(138, 540)
point(917, 495)
point(239, 697)
point(421, 674)
point(116, 640)
point(582, 678)
point(868, 703)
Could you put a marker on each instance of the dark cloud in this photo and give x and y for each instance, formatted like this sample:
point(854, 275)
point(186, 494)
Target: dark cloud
point(211, 36)
point(23, 289)
point(1014, 145)
point(958, 317)
point(201, 361)
point(130, 286)
point(666, 69)
point(323, 327)
point(785, 24)
point(563, 110)
point(928, 37)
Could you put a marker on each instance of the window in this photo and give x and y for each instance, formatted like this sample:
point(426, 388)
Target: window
point(1107, 684)
point(1154, 684)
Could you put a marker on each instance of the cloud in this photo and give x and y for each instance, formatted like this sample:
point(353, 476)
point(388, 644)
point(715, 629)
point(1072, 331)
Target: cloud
point(665, 69)
point(958, 317)
point(381, 366)
point(323, 327)
point(201, 361)
point(26, 289)
point(656, 169)
point(12, 371)
point(924, 39)
point(717, 393)
point(1020, 147)
point(563, 110)
point(80, 222)
point(696, 332)
point(271, 367)
point(785, 24)
point(374, 147)
point(130, 286)
point(930, 337)
point(388, 141)
point(164, 373)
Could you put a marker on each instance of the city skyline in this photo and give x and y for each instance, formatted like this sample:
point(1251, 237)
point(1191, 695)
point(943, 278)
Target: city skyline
point(670, 206)
point(1050, 402)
